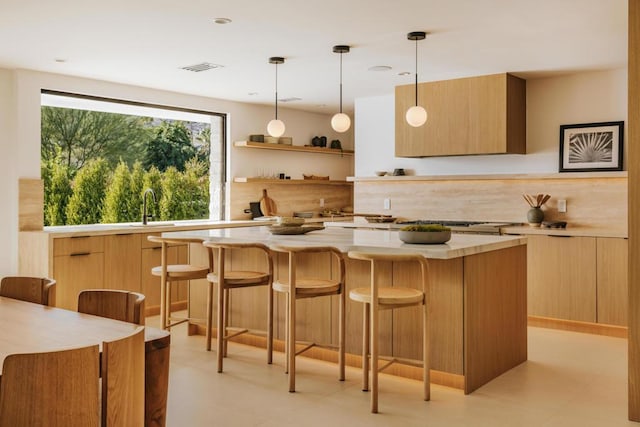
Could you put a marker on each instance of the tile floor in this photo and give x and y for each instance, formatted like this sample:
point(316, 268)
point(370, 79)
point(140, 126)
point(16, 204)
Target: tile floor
point(570, 379)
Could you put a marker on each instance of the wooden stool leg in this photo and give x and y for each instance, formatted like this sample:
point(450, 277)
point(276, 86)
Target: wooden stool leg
point(220, 324)
point(374, 358)
point(270, 325)
point(163, 287)
point(209, 314)
point(292, 343)
point(365, 347)
point(286, 335)
point(341, 333)
point(426, 350)
point(227, 309)
point(168, 304)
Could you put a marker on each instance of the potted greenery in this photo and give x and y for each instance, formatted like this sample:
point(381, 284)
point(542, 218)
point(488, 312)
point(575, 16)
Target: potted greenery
point(425, 234)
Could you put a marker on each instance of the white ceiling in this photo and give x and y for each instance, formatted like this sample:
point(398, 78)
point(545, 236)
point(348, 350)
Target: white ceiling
point(144, 43)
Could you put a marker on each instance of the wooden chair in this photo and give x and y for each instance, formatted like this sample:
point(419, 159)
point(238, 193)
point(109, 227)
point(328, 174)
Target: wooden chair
point(114, 304)
point(171, 273)
point(234, 279)
point(377, 297)
point(31, 289)
point(298, 287)
point(123, 372)
point(51, 389)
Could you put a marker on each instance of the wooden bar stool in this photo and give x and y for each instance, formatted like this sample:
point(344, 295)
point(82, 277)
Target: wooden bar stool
point(174, 272)
point(234, 279)
point(310, 287)
point(378, 297)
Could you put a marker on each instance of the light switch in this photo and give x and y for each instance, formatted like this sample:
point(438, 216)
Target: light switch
point(562, 205)
point(322, 203)
point(387, 204)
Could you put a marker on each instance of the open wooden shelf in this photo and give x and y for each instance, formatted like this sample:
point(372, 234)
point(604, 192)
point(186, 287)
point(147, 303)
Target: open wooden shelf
point(299, 148)
point(243, 179)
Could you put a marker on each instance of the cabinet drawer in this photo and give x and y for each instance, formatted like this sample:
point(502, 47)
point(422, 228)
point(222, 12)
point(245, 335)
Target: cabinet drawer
point(78, 245)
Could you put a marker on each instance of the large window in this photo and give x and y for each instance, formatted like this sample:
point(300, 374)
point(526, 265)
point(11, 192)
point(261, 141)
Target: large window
point(99, 156)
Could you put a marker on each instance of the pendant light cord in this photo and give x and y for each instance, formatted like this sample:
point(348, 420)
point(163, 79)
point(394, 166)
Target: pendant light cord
point(276, 91)
point(340, 82)
point(416, 72)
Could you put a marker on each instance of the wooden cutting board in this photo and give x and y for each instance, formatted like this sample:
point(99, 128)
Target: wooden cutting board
point(267, 204)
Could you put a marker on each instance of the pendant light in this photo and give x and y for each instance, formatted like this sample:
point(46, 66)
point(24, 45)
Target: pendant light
point(341, 122)
point(416, 116)
point(275, 127)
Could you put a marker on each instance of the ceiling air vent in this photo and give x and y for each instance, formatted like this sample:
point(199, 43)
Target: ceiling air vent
point(292, 99)
point(201, 67)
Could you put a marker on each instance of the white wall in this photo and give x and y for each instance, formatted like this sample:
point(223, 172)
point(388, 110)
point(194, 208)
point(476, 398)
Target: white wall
point(577, 98)
point(20, 136)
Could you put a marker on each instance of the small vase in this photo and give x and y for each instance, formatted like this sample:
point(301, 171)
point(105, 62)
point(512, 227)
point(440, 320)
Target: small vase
point(535, 217)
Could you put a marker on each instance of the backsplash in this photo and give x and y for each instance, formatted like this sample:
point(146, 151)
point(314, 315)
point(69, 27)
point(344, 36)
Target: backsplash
point(593, 200)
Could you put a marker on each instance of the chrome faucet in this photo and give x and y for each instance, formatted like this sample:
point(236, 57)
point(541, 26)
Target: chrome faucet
point(145, 215)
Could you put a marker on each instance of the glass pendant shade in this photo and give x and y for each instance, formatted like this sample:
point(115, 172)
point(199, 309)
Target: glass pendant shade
point(340, 122)
point(276, 128)
point(416, 116)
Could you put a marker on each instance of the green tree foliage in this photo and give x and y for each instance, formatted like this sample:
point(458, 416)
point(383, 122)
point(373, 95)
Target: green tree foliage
point(137, 182)
point(118, 195)
point(170, 147)
point(82, 135)
point(58, 183)
point(89, 187)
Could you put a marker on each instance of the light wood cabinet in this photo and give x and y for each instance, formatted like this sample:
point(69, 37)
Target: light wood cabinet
point(475, 115)
point(561, 277)
point(578, 278)
point(612, 265)
point(78, 263)
point(122, 262)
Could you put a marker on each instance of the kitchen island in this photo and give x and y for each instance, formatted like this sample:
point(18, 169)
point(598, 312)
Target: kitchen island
point(477, 287)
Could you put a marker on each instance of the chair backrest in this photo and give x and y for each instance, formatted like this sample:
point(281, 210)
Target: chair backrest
point(397, 257)
point(223, 246)
point(39, 290)
point(294, 250)
point(51, 389)
point(123, 381)
point(114, 304)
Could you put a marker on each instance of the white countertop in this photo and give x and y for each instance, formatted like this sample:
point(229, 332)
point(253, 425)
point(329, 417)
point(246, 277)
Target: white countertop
point(137, 227)
point(346, 239)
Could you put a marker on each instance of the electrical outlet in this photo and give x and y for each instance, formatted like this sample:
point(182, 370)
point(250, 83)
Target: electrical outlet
point(387, 204)
point(322, 203)
point(562, 205)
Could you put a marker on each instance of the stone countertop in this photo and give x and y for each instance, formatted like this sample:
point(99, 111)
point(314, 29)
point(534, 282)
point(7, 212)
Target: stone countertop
point(346, 239)
point(577, 231)
point(137, 227)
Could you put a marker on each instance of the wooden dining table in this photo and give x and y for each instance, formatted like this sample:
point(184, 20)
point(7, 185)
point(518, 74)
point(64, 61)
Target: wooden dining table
point(33, 328)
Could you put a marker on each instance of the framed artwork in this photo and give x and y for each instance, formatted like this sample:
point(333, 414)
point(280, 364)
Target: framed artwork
point(591, 147)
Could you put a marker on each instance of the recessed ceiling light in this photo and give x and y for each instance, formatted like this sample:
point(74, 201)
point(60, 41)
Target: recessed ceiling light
point(60, 60)
point(222, 21)
point(252, 93)
point(404, 73)
point(380, 68)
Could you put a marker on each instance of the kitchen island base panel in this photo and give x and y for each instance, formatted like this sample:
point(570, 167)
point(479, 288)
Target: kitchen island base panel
point(478, 321)
point(495, 314)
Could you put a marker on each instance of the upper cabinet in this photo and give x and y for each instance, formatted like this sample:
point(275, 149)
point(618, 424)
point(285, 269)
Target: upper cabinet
point(475, 115)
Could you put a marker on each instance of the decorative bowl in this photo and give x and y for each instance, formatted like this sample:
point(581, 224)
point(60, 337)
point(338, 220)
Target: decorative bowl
point(380, 219)
point(381, 173)
point(288, 221)
point(430, 234)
